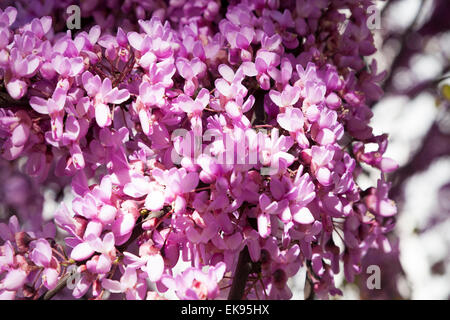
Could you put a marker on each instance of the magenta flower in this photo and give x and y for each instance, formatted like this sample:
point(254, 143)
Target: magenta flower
point(101, 264)
point(378, 201)
point(68, 67)
point(320, 159)
point(230, 85)
point(265, 62)
point(273, 152)
point(13, 281)
point(8, 231)
point(287, 98)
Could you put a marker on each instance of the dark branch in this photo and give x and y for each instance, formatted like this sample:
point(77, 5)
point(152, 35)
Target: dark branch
point(241, 273)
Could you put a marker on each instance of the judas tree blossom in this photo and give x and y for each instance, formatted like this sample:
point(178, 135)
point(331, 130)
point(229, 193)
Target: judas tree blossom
point(271, 98)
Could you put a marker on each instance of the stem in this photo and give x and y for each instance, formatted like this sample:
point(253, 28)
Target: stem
point(242, 271)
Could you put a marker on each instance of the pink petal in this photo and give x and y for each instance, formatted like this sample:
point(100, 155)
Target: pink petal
point(325, 137)
point(16, 88)
point(39, 105)
point(129, 278)
point(112, 285)
point(275, 96)
point(223, 87)
point(155, 200)
point(107, 214)
point(189, 182)
point(233, 109)
point(303, 216)
point(123, 225)
point(388, 165)
point(108, 242)
point(145, 121)
point(91, 84)
point(263, 225)
point(138, 186)
point(226, 72)
point(82, 251)
point(102, 115)
point(155, 267)
point(323, 175)
point(51, 278)
point(14, 280)
point(20, 135)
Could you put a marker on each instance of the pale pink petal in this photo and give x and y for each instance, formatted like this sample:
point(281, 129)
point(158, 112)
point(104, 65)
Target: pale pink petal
point(102, 115)
point(189, 182)
point(303, 216)
point(112, 285)
point(226, 72)
point(107, 214)
point(14, 279)
point(129, 278)
point(39, 105)
point(223, 87)
point(263, 225)
point(108, 242)
point(155, 200)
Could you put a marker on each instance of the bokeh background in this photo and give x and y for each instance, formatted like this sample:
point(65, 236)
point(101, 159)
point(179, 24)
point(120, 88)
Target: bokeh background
point(414, 47)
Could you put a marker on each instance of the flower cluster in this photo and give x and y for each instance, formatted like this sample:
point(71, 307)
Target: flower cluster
point(99, 108)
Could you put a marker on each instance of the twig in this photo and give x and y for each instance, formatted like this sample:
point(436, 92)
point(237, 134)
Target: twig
point(242, 271)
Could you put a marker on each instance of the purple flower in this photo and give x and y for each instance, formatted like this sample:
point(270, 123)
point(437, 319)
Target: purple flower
point(287, 98)
point(53, 107)
point(194, 284)
point(378, 202)
point(264, 220)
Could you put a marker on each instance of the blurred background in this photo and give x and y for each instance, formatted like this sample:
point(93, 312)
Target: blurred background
point(414, 47)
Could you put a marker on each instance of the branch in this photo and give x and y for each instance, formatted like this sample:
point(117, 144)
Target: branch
point(7, 102)
point(242, 271)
